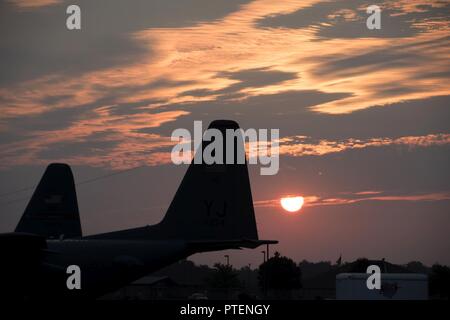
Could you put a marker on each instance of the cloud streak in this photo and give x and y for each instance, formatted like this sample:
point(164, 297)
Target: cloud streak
point(305, 146)
point(234, 59)
point(31, 4)
point(337, 200)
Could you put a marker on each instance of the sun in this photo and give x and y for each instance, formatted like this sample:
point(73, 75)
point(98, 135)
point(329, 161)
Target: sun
point(292, 204)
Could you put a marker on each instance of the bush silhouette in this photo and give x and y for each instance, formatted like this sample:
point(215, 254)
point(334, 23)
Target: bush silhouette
point(223, 277)
point(440, 281)
point(280, 273)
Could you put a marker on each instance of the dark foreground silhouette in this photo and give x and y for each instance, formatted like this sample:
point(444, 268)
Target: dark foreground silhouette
point(212, 210)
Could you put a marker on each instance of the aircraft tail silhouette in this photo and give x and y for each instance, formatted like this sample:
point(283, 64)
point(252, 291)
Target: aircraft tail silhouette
point(212, 208)
point(213, 201)
point(53, 209)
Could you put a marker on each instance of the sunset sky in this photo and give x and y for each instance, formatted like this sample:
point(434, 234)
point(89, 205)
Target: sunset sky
point(363, 114)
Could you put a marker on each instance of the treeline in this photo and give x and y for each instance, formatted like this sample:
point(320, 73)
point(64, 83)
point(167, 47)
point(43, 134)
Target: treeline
point(280, 273)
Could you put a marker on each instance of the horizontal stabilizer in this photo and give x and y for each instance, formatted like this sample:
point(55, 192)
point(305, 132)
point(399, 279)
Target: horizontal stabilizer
point(204, 246)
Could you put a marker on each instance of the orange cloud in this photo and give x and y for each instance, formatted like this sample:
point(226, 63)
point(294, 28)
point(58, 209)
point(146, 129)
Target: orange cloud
point(368, 192)
point(237, 43)
point(315, 201)
point(132, 147)
point(198, 57)
point(29, 4)
point(298, 146)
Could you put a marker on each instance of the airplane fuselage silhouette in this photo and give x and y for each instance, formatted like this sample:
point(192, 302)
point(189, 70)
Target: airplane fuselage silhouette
point(38, 266)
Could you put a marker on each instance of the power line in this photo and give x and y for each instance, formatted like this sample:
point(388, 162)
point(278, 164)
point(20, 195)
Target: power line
point(16, 191)
point(105, 176)
point(13, 201)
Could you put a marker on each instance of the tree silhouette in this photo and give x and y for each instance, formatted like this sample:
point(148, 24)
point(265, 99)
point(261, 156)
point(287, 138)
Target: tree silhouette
point(280, 273)
point(360, 265)
point(440, 281)
point(223, 277)
point(311, 269)
point(417, 267)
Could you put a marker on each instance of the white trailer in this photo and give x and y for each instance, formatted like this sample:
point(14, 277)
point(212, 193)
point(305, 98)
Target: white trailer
point(394, 286)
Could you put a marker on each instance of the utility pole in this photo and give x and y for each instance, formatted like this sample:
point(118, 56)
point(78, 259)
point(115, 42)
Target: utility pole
point(248, 274)
point(263, 273)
